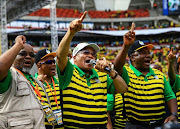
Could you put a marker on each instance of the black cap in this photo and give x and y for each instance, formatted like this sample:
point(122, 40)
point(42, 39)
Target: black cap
point(42, 54)
point(137, 45)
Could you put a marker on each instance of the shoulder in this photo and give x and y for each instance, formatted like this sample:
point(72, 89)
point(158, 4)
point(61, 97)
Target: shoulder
point(158, 72)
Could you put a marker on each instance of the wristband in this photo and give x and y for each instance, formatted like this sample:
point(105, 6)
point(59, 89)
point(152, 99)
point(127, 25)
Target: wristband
point(175, 114)
point(115, 75)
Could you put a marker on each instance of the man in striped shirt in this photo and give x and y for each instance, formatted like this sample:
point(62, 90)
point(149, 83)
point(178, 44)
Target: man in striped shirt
point(45, 62)
point(85, 88)
point(174, 78)
point(148, 89)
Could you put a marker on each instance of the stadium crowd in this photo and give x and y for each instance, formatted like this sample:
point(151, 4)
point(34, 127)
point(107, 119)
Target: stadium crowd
point(87, 91)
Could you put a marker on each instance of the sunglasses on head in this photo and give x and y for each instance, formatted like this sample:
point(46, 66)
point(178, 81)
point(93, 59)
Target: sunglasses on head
point(48, 62)
point(87, 52)
point(31, 54)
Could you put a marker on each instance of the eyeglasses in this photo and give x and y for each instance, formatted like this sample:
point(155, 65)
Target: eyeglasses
point(31, 54)
point(48, 62)
point(87, 52)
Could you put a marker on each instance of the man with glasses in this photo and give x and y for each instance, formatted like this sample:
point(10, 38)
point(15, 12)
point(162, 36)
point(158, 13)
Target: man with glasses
point(19, 91)
point(174, 78)
point(85, 88)
point(46, 73)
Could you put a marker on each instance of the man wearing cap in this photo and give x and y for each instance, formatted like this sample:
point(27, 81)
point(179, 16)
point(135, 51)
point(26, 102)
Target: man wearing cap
point(19, 91)
point(46, 73)
point(174, 78)
point(84, 88)
point(148, 89)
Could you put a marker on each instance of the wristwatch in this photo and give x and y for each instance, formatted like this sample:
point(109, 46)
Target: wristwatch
point(175, 114)
point(116, 74)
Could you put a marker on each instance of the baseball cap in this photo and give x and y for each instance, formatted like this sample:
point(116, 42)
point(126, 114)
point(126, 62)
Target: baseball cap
point(81, 46)
point(137, 45)
point(42, 54)
point(178, 61)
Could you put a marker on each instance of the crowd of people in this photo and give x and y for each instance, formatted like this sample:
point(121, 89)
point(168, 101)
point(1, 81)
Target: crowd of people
point(89, 91)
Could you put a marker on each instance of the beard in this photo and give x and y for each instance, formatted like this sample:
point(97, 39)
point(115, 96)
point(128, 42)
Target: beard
point(26, 70)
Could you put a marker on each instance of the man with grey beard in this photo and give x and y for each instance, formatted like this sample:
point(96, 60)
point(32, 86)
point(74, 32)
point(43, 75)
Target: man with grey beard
point(21, 104)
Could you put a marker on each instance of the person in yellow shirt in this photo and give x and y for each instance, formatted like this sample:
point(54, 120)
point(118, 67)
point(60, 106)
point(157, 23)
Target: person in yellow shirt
point(45, 62)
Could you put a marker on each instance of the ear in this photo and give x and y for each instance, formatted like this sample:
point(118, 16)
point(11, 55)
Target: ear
point(132, 58)
point(38, 65)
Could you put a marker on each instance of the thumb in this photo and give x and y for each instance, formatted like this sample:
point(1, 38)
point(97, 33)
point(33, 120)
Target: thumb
point(45, 77)
point(40, 71)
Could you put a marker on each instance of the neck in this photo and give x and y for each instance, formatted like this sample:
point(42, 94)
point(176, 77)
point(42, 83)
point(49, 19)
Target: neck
point(143, 71)
point(48, 79)
point(88, 72)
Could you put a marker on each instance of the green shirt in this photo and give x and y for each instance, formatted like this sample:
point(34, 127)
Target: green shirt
point(5, 84)
point(65, 79)
point(110, 102)
point(168, 93)
point(176, 85)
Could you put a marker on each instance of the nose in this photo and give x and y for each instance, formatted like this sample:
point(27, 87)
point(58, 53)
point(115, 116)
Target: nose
point(28, 56)
point(53, 63)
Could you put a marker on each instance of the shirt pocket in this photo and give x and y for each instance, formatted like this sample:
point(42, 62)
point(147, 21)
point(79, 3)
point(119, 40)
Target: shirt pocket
point(21, 122)
point(22, 89)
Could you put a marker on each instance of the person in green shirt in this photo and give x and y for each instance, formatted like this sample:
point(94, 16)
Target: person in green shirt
point(85, 88)
point(174, 78)
point(115, 108)
point(110, 105)
point(45, 62)
point(148, 90)
point(19, 91)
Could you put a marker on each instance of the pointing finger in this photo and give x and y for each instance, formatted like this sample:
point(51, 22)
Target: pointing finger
point(132, 27)
point(172, 49)
point(83, 16)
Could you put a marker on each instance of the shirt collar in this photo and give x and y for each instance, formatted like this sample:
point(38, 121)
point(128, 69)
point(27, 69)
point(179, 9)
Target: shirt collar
point(81, 73)
point(55, 80)
point(28, 76)
point(138, 73)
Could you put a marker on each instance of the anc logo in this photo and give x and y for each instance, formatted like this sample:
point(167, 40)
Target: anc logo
point(141, 43)
point(47, 51)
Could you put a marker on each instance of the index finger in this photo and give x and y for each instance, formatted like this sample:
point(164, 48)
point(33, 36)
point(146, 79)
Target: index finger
point(132, 27)
point(83, 16)
point(172, 49)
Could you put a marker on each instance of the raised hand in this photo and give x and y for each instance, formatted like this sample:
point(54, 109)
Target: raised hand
point(101, 64)
point(41, 77)
point(129, 37)
point(20, 40)
point(171, 118)
point(76, 25)
point(171, 56)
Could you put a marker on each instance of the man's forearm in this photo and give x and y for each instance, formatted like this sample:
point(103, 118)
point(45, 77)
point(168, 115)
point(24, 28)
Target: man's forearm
point(119, 83)
point(171, 73)
point(172, 105)
point(120, 59)
point(7, 59)
point(63, 49)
